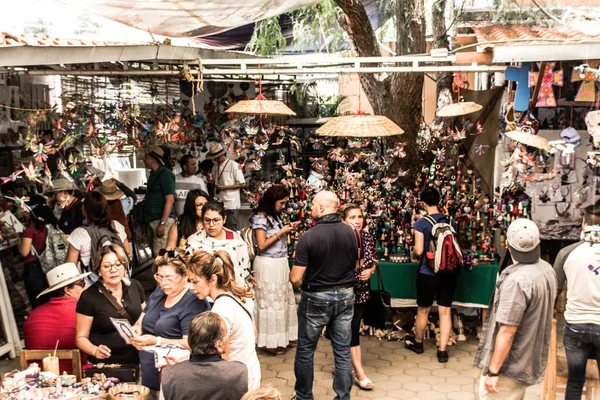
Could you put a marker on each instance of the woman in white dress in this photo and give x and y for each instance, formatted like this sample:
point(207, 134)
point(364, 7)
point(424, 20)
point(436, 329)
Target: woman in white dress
point(212, 275)
point(275, 311)
point(216, 237)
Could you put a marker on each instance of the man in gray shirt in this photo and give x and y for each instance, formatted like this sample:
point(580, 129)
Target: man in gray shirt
point(579, 265)
point(514, 344)
point(206, 375)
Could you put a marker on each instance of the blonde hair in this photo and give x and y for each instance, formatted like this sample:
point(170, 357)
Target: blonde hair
point(112, 248)
point(205, 264)
point(172, 258)
point(266, 392)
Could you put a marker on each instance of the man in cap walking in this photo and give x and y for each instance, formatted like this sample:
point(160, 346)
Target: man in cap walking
point(515, 339)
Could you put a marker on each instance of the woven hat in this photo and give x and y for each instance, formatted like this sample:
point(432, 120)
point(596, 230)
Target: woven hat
point(523, 238)
point(216, 150)
point(456, 109)
point(60, 185)
point(529, 139)
point(157, 152)
point(110, 190)
point(360, 125)
point(259, 107)
point(61, 276)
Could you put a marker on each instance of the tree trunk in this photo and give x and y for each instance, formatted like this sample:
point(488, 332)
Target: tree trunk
point(399, 96)
point(440, 40)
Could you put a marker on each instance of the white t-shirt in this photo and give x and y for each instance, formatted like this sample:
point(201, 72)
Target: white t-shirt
point(582, 270)
point(242, 346)
point(183, 185)
point(226, 174)
point(80, 239)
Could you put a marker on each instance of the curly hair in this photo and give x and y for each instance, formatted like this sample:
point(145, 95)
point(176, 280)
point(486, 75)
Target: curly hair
point(173, 258)
point(205, 264)
point(265, 392)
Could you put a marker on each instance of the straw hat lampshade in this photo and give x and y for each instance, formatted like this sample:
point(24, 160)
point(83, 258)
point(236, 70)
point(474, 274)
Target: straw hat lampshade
point(459, 108)
point(360, 125)
point(260, 106)
point(529, 139)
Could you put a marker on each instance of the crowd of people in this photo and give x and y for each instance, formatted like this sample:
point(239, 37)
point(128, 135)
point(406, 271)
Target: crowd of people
point(213, 300)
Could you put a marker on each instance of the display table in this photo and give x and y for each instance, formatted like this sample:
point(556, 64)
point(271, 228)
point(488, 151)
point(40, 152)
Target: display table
point(474, 288)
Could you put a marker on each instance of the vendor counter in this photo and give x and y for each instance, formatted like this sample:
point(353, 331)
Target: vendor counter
point(474, 288)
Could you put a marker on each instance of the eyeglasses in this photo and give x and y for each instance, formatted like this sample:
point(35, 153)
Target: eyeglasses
point(108, 267)
point(80, 282)
point(200, 205)
point(214, 221)
point(165, 279)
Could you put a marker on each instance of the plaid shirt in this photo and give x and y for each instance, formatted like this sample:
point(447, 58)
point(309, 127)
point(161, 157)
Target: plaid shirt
point(160, 183)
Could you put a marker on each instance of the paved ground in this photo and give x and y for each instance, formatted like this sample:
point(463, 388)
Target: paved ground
point(398, 373)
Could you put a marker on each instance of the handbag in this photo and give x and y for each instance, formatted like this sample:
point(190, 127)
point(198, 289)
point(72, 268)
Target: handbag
point(378, 310)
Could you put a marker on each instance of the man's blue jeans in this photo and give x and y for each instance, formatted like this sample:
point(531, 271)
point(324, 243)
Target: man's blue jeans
point(318, 310)
point(582, 341)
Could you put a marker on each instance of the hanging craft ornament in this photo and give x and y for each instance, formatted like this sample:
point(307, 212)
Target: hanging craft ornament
point(521, 76)
point(360, 125)
point(588, 77)
point(592, 120)
point(458, 108)
point(546, 97)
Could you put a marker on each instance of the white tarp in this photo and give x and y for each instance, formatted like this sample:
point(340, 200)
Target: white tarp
point(182, 18)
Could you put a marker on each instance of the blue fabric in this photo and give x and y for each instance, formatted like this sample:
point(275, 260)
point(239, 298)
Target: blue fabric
point(424, 226)
point(168, 323)
point(271, 226)
point(334, 310)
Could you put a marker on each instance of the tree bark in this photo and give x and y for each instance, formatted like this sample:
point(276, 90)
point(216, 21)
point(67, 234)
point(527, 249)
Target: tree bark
point(399, 96)
point(440, 40)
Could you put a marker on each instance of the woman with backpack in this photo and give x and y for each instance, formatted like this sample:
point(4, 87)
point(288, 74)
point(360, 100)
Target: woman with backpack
point(276, 316)
point(216, 237)
point(190, 221)
point(85, 241)
point(32, 245)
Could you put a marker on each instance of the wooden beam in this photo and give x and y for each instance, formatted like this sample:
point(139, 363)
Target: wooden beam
point(474, 57)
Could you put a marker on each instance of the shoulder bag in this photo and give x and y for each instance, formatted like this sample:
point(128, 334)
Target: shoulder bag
point(378, 311)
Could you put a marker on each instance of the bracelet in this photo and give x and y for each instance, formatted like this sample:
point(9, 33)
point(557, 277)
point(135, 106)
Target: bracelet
point(492, 375)
point(158, 340)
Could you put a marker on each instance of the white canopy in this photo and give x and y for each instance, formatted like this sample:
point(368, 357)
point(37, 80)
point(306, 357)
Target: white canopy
point(180, 18)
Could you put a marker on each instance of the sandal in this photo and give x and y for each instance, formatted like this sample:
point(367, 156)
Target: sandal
point(365, 384)
point(276, 352)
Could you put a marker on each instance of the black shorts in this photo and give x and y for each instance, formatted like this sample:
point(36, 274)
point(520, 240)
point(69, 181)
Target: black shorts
point(440, 286)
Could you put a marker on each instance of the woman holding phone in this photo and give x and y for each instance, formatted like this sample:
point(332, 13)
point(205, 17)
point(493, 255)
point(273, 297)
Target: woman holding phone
point(275, 311)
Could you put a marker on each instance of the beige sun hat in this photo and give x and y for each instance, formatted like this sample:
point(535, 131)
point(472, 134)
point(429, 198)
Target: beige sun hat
point(110, 190)
point(61, 276)
point(529, 139)
point(60, 185)
point(216, 150)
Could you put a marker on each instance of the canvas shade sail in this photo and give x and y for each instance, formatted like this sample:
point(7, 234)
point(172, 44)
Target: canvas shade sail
point(185, 18)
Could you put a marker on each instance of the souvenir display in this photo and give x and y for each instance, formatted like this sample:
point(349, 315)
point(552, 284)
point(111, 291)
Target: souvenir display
point(551, 78)
point(588, 77)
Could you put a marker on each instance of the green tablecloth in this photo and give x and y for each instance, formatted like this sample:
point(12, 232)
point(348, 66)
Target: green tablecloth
point(474, 288)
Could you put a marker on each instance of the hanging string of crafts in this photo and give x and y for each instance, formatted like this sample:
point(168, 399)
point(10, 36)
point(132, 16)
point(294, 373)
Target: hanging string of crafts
point(460, 107)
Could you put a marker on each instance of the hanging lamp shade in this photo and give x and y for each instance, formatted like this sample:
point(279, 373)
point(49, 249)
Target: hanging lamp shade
point(529, 139)
point(360, 125)
point(260, 106)
point(457, 109)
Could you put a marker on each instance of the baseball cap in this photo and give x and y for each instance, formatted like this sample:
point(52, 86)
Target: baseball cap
point(523, 238)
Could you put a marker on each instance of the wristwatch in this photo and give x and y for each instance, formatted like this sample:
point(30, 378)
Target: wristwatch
point(492, 374)
point(163, 223)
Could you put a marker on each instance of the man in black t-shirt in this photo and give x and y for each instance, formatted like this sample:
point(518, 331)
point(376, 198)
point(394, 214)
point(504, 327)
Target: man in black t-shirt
point(324, 268)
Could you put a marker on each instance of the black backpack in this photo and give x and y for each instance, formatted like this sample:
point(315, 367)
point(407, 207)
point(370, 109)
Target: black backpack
point(101, 237)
